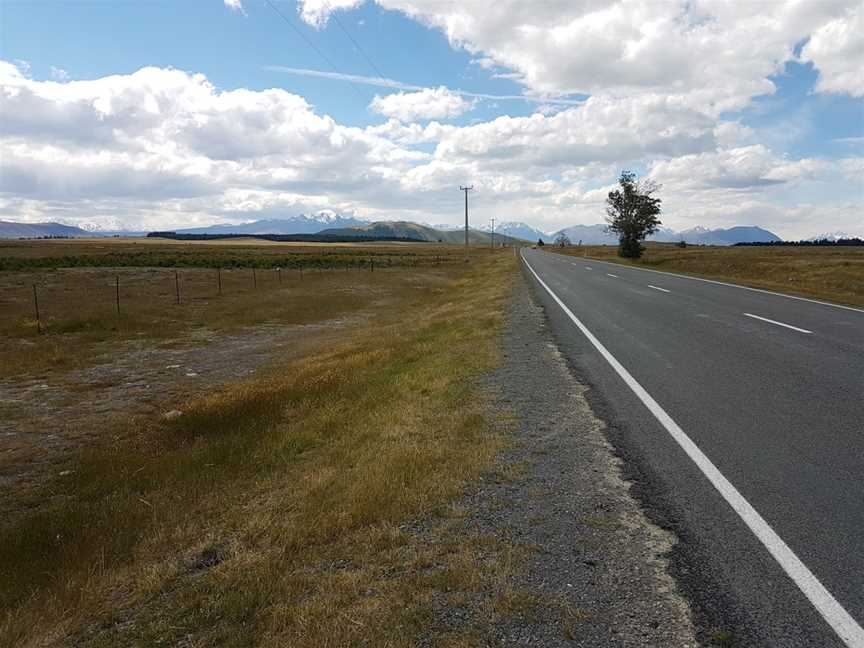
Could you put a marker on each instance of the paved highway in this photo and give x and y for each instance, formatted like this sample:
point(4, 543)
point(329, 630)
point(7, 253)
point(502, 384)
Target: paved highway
point(740, 414)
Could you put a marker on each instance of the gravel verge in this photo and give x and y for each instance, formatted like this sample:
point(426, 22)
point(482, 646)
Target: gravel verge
point(592, 564)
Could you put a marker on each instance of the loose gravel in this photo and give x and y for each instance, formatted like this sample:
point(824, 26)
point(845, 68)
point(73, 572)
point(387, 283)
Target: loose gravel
point(592, 562)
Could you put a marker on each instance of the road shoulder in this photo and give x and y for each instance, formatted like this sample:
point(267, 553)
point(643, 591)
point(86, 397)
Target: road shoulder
point(591, 567)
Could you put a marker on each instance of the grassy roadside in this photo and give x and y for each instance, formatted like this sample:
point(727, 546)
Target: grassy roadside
point(275, 511)
point(829, 273)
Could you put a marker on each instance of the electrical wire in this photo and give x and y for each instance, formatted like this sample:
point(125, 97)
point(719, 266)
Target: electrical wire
point(311, 44)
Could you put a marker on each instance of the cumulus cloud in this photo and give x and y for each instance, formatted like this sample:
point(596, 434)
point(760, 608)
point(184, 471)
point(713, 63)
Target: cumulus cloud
point(708, 53)
point(837, 51)
point(163, 148)
point(59, 73)
point(235, 5)
point(430, 103)
point(602, 129)
point(165, 134)
point(316, 12)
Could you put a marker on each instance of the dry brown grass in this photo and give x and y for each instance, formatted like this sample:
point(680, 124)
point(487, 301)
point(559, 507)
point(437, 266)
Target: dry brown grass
point(78, 309)
point(831, 273)
point(79, 317)
point(274, 511)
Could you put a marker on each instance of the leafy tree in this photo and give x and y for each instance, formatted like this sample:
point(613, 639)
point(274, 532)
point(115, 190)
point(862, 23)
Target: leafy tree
point(632, 213)
point(562, 240)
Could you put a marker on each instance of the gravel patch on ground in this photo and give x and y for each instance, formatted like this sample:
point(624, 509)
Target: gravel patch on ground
point(44, 417)
point(592, 566)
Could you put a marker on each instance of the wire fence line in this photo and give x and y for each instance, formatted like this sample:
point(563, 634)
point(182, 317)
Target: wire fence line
point(53, 301)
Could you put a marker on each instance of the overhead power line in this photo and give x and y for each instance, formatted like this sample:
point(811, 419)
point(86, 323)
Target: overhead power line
point(310, 43)
point(335, 17)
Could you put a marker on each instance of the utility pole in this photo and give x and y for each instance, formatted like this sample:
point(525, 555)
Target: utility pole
point(493, 232)
point(466, 190)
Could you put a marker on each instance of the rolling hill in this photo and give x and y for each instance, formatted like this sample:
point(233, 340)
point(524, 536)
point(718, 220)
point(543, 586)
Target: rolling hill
point(13, 230)
point(404, 229)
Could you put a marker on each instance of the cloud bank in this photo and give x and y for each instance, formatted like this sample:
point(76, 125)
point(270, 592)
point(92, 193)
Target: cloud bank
point(163, 147)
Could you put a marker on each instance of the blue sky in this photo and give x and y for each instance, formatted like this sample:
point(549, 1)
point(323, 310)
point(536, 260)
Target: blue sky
point(93, 39)
point(745, 119)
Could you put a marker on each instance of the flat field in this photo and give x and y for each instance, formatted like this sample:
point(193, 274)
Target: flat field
point(224, 253)
point(241, 468)
point(830, 273)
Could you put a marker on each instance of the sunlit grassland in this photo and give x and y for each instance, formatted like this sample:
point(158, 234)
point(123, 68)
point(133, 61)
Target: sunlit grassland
point(219, 287)
point(831, 273)
point(277, 511)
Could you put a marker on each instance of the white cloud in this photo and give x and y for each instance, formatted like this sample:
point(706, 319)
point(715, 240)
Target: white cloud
point(165, 148)
point(316, 12)
point(59, 74)
point(602, 129)
point(710, 54)
point(438, 103)
point(235, 5)
point(837, 51)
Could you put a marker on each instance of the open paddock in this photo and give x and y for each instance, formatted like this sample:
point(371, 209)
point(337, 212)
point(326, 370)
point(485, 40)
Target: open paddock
point(831, 273)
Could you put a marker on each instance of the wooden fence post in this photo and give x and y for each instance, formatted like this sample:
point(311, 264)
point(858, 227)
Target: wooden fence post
point(36, 304)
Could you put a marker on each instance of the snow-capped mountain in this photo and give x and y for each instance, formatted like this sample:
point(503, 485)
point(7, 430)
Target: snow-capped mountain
point(301, 224)
point(519, 230)
point(597, 235)
point(832, 236)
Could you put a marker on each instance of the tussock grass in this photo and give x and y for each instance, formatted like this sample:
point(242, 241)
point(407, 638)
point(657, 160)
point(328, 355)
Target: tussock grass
point(79, 318)
point(830, 273)
point(274, 511)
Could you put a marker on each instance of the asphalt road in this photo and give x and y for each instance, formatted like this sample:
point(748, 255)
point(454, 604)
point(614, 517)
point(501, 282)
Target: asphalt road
point(770, 390)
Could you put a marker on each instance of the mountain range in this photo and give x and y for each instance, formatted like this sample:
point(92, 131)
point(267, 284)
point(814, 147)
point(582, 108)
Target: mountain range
point(597, 234)
point(301, 224)
point(331, 223)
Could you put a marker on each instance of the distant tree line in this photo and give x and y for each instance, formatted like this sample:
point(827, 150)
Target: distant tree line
point(844, 242)
point(296, 238)
point(44, 237)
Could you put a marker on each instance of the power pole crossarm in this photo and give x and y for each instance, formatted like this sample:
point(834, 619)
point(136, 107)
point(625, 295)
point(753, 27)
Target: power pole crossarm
point(466, 190)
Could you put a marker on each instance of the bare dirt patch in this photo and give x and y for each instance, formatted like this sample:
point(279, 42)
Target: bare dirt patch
point(51, 413)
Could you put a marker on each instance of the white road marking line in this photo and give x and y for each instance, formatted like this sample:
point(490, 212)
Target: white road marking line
point(658, 288)
point(732, 285)
point(789, 326)
point(835, 614)
point(588, 268)
point(611, 275)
